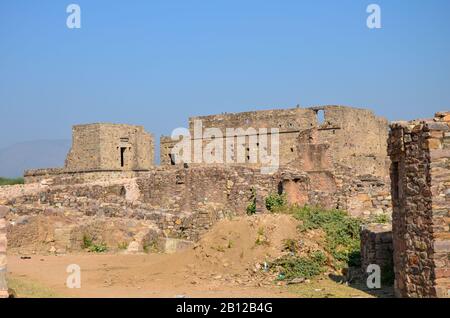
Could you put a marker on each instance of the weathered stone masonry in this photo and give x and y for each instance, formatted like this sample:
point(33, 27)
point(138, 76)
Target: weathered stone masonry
point(3, 243)
point(376, 247)
point(420, 177)
point(344, 155)
point(100, 152)
point(338, 162)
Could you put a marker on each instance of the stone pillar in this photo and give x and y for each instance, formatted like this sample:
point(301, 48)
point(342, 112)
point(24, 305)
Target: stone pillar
point(3, 285)
point(420, 178)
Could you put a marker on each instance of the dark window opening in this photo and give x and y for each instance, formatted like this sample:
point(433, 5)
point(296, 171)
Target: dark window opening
point(172, 159)
point(122, 156)
point(292, 149)
point(280, 188)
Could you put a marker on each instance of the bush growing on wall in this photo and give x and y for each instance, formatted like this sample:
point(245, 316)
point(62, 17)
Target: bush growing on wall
point(275, 201)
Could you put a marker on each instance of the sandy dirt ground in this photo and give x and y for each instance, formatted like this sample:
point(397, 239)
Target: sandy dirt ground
point(128, 276)
point(228, 261)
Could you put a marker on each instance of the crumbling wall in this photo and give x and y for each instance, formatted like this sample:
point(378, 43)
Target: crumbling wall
point(343, 153)
point(62, 176)
point(183, 202)
point(3, 243)
point(420, 177)
point(355, 137)
point(289, 123)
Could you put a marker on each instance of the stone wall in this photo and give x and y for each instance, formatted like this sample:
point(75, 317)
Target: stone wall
point(355, 138)
point(289, 122)
point(62, 176)
point(3, 271)
point(183, 202)
point(377, 248)
point(420, 177)
point(344, 154)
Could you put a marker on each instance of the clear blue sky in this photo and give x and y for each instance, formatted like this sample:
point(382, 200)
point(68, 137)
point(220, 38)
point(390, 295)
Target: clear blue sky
point(157, 62)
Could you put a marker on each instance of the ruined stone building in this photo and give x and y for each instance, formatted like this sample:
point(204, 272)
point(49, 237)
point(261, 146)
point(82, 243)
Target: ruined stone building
point(354, 138)
point(420, 177)
point(102, 151)
point(342, 150)
point(345, 159)
point(109, 179)
point(109, 147)
point(341, 158)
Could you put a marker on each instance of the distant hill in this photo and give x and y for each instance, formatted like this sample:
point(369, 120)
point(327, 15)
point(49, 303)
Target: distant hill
point(31, 155)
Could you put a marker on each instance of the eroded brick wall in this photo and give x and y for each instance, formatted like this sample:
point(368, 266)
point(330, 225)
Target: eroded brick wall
point(420, 177)
point(3, 243)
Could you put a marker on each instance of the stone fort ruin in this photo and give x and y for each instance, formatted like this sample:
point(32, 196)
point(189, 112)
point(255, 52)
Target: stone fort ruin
point(339, 161)
point(329, 156)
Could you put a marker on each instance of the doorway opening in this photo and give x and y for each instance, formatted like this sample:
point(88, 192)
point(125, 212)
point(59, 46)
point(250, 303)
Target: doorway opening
point(172, 159)
point(320, 114)
point(122, 156)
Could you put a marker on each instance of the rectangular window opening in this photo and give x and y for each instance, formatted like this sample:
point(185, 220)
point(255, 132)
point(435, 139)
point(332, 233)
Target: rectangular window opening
point(122, 156)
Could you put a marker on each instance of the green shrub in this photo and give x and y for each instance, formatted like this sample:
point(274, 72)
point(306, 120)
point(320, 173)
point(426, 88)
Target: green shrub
point(275, 201)
point(301, 267)
point(7, 181)
point(88, 243)
point(341, 230)
point(98, 248)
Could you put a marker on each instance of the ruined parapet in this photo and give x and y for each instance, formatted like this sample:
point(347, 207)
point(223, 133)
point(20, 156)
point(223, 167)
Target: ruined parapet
point(377, 248)
point(420, 186)
point(62, 176)
point(3, 243)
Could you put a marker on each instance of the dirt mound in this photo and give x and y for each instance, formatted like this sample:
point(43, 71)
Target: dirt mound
point(235, 245)
point(235, 251)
